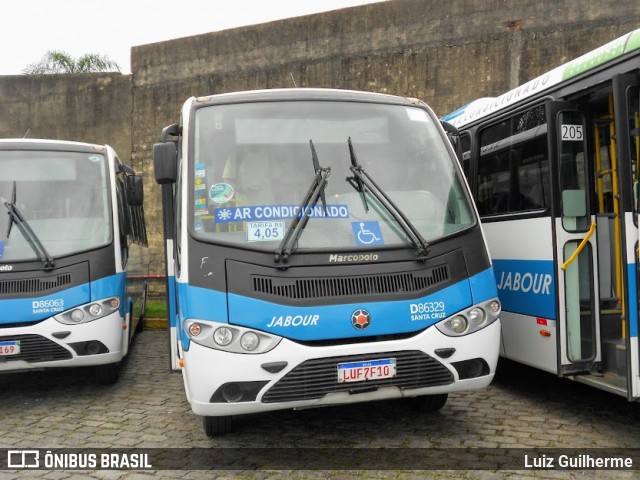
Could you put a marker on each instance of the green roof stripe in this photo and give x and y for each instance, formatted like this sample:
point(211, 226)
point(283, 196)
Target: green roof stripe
point(595, 58)
point(634, 41)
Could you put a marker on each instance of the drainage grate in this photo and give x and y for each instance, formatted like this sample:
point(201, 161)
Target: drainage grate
point(35, 348)
point(315, 378)
point(380, 284)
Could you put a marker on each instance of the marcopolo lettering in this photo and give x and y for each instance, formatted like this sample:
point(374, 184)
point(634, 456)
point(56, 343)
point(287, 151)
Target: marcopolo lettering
point(294, 321)
point(356, 257)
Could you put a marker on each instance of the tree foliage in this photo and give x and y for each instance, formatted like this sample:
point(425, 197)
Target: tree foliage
point(55, 61)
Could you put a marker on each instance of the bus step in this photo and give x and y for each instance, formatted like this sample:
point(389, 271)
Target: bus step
point(615, 356)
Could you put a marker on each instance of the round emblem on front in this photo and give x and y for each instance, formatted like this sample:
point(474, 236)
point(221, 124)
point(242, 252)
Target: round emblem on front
point(361, 319)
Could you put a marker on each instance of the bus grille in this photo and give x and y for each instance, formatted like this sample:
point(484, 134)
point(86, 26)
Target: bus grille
point(34, 285)
point(35, 348)
point(381, 284)
point(315, 378)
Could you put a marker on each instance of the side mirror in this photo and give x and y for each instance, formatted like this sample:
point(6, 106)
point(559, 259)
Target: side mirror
point(450, 129)
point(135, 190)
point(453, 134)
point(165, 162)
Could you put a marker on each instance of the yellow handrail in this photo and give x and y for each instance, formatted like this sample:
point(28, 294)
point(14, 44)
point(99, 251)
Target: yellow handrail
point(573, 256)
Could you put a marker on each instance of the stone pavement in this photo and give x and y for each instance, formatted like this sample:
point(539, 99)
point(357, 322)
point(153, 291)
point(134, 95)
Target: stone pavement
point(147, 408)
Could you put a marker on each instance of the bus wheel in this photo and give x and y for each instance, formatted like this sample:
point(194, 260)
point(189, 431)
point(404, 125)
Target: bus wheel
point(140, 325)
point(107, 374)
point(215, 426)
point(428, 403)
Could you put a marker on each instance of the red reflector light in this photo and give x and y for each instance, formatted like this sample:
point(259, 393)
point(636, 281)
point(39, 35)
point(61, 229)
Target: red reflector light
point(541, 321)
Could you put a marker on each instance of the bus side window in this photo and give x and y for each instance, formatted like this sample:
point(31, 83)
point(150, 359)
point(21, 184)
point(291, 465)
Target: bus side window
point(514, 172)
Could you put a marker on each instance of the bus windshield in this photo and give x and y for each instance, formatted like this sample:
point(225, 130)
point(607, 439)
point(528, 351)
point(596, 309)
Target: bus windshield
point(61, 196)
point(254, 163)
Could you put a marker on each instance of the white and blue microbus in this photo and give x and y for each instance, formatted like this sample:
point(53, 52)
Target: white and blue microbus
point(71, 228)
point(322, 249)
point(554, 166)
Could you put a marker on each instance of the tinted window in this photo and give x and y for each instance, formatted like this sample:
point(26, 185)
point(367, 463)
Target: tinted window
point(513, 173)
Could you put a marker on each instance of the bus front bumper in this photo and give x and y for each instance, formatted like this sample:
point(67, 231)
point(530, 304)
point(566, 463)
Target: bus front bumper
point(219, 383)
point(50, 344)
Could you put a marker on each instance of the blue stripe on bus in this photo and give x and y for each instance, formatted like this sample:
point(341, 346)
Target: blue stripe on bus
point(633, 300)
point(198, 303)
point(322, 322)
point(38, 308)
point(108, 286)
point(527, 287)
point(202, 303)
point(483, 286)
point(171, 300)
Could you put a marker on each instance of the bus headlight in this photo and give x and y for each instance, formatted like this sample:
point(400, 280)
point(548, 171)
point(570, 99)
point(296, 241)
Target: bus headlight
point(195, 329)
point(76, 315)
point(249, 341)
point(229, 338)
point(95, 309)
point(494, 307)
point(223, 336)
point(89, 312)
point(458, 324)
point(471, 320)
point(477, 316)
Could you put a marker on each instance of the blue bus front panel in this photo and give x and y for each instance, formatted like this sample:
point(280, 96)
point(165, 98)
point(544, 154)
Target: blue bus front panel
point(306, 345)
point(77, 326)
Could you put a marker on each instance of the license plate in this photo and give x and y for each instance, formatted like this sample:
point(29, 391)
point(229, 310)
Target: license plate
point(368, 370)
point(9, 348)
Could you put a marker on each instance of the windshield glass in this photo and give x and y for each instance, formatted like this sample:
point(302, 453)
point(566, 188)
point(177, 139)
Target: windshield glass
point(61, 195)
point(253, 165)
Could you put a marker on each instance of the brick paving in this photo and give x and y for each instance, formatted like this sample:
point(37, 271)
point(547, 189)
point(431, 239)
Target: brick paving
point(147, 408)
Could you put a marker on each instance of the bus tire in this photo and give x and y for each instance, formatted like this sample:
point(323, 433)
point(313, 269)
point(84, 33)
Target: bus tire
point(216, 426)
point(107, 374)
point(428, 403)
point(143, 309)
point(140, 325)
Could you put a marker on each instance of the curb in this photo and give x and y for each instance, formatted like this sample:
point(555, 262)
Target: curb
point(155, 323)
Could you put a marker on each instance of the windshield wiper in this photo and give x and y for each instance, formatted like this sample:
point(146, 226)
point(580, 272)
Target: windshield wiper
point(315, 191)
point(356, 181)
point(15, 216)
point(362, 182)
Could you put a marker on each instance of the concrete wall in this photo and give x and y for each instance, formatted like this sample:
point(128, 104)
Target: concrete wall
point(445, 53)
point(93, 108)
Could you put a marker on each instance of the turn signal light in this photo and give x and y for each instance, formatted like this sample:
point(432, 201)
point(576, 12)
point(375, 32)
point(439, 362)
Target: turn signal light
point(545, 333)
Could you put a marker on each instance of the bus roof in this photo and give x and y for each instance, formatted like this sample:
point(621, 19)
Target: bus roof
point(484, 106)
point(47, 144)
point(284, 94)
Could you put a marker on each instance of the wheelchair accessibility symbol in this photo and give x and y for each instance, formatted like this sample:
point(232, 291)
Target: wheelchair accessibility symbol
point(367, 233)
